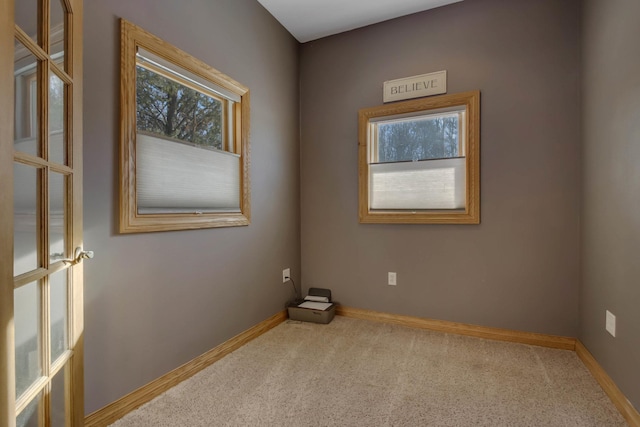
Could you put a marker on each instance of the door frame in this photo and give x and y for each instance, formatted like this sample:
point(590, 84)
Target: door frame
point(76, 336)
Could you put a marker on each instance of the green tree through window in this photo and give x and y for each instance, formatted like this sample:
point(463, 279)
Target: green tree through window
point(168, 108)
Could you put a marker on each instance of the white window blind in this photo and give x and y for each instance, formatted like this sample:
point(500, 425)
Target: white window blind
point(428, 184)
point(172, 177)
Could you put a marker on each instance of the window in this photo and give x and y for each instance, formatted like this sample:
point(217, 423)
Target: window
point(184, 161)
point(419, 161)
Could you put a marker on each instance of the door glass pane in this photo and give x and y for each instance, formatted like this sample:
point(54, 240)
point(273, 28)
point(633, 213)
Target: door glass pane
point(26, 14)
point(58, 401)
point(57, 217)
point(25, 100)
point(30, 415)
point(26, 301)
point(25, 232)
point(58, 297)
point(57, 29)
point(57, 146)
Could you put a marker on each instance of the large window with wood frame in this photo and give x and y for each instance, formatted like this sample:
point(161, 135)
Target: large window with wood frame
point(184, 141)
point(419, 161)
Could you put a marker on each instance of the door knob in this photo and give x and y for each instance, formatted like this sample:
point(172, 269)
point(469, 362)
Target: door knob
point(79, 255)
point(82, 254)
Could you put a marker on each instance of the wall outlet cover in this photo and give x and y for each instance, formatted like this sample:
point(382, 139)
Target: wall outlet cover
point(392, 279)
point(610, 324)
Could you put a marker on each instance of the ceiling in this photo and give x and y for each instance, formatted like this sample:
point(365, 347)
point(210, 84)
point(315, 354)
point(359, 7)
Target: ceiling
point(308, 20)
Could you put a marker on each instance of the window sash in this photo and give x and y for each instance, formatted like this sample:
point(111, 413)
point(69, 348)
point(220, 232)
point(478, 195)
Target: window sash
point(458, 112)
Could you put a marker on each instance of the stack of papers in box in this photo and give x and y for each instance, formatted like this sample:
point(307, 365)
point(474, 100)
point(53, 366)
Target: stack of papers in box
point(315, 303)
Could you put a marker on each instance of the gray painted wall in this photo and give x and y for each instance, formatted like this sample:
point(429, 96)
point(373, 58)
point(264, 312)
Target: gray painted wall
point(611, 196)
point(157, 300)
point(519, 268)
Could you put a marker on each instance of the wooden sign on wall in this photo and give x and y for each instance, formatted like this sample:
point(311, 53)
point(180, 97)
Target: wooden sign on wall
point(415, 87)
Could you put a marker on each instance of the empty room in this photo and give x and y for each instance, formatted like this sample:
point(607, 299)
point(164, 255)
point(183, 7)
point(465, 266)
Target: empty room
point(178, 175)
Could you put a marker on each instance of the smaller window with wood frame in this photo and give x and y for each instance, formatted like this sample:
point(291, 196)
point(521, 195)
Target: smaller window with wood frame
point(419, 161)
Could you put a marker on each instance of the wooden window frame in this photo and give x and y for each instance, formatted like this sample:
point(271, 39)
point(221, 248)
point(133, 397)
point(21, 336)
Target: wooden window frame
point(131, 221)
point(471, 213)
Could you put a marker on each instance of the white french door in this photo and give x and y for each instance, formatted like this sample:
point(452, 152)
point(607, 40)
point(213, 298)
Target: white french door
point(41, 320)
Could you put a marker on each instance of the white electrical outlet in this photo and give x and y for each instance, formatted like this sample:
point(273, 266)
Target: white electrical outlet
point(610, 324)
point(286, 275)
point(392, 279)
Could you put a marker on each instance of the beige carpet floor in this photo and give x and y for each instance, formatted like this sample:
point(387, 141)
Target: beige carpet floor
point(360, 373)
